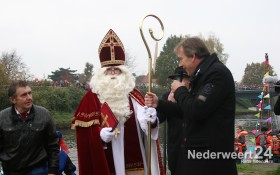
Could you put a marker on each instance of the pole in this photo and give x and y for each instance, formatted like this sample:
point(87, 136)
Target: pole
point(150, 79)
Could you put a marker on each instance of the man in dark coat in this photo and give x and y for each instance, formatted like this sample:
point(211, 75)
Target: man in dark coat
point(175, 125)
point(28, 139)
point(208, 111)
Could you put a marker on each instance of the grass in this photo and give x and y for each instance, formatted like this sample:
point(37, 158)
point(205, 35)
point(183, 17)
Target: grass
point(258, 169)
point(63, 119)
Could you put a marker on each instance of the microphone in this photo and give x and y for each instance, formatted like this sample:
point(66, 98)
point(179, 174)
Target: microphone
point(270, 79)
point(181, 76)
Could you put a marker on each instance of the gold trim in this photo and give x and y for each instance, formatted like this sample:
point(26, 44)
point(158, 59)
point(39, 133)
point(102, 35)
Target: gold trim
point(135, 98)
point(104, 63)
point(108, 35)
point(85, 124)
point(88, 115)
point(134, 169)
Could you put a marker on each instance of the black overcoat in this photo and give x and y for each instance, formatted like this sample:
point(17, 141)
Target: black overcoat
point(209, 113)
point(175, 127)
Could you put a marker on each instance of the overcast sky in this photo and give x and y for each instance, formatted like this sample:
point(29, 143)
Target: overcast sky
point(49, 34)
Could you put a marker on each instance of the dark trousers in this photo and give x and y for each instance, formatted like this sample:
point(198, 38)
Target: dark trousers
point(276, 158)
point(43, 170)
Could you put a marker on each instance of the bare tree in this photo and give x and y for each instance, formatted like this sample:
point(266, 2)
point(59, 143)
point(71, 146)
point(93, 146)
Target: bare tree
point(130, 61)
point(214, 45)
point(3, 77)
point(14, 68)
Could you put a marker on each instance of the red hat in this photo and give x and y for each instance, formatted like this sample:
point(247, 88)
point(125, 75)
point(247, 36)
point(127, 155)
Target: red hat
point(111, 50)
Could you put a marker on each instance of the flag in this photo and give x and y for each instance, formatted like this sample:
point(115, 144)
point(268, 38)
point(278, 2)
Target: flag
point(268, 120)
point(257, 115)
point(260, 96)
point(267, 96)
point(252, 140)
point(268, 107)
point(259, 105)
point(254, 131)
point(266, 74)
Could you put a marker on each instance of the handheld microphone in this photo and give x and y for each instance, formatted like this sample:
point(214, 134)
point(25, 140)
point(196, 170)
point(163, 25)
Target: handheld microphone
point(181, 76)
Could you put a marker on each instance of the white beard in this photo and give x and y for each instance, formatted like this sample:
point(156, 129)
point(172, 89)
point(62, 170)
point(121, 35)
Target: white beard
point(114, 89)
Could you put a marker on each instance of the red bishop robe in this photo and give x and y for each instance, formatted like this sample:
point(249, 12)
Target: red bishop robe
point(92, 157)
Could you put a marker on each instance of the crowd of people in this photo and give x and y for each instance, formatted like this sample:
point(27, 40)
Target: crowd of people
point(116, 126)
point(267, 146)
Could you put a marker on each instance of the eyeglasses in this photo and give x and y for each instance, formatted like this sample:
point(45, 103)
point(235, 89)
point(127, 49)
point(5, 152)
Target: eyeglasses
point(112, 70)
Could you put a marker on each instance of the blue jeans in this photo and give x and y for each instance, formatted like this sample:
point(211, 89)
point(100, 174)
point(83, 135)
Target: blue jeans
point(39, 171)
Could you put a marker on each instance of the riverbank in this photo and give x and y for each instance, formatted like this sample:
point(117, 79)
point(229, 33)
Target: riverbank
point(259, 169)
point(63, 119)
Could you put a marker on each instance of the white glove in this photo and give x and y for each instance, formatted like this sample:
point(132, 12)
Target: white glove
point(150, 114)
point(106, 134)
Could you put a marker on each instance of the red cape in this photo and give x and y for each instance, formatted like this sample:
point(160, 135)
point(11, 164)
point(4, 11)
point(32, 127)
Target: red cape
point(91, 156)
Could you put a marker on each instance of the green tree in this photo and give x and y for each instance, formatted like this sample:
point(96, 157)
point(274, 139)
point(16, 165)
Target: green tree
point(167, 60)
point(14, 67)
point(64, 74)
point(88, 71)
point(253, 75)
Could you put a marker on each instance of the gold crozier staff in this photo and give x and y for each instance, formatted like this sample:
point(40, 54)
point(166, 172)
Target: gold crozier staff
point(150, 78)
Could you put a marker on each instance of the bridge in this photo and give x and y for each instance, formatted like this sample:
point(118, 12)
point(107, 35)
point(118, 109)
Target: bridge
point(253, 94)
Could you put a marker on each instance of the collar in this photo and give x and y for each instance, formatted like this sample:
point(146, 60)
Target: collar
point(204, 65)
point(18, 113)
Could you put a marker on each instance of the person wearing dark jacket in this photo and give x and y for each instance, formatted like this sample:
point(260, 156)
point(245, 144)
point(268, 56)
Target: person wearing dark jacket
point(28, 139)
point(175, 125)
point(208, 111)
point(260, 140)
point(277, 104)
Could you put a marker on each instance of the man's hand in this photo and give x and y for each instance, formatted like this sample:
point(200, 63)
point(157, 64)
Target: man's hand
point(171, 97)
point(151, 100)
point(175, 84)
point(106, 134)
